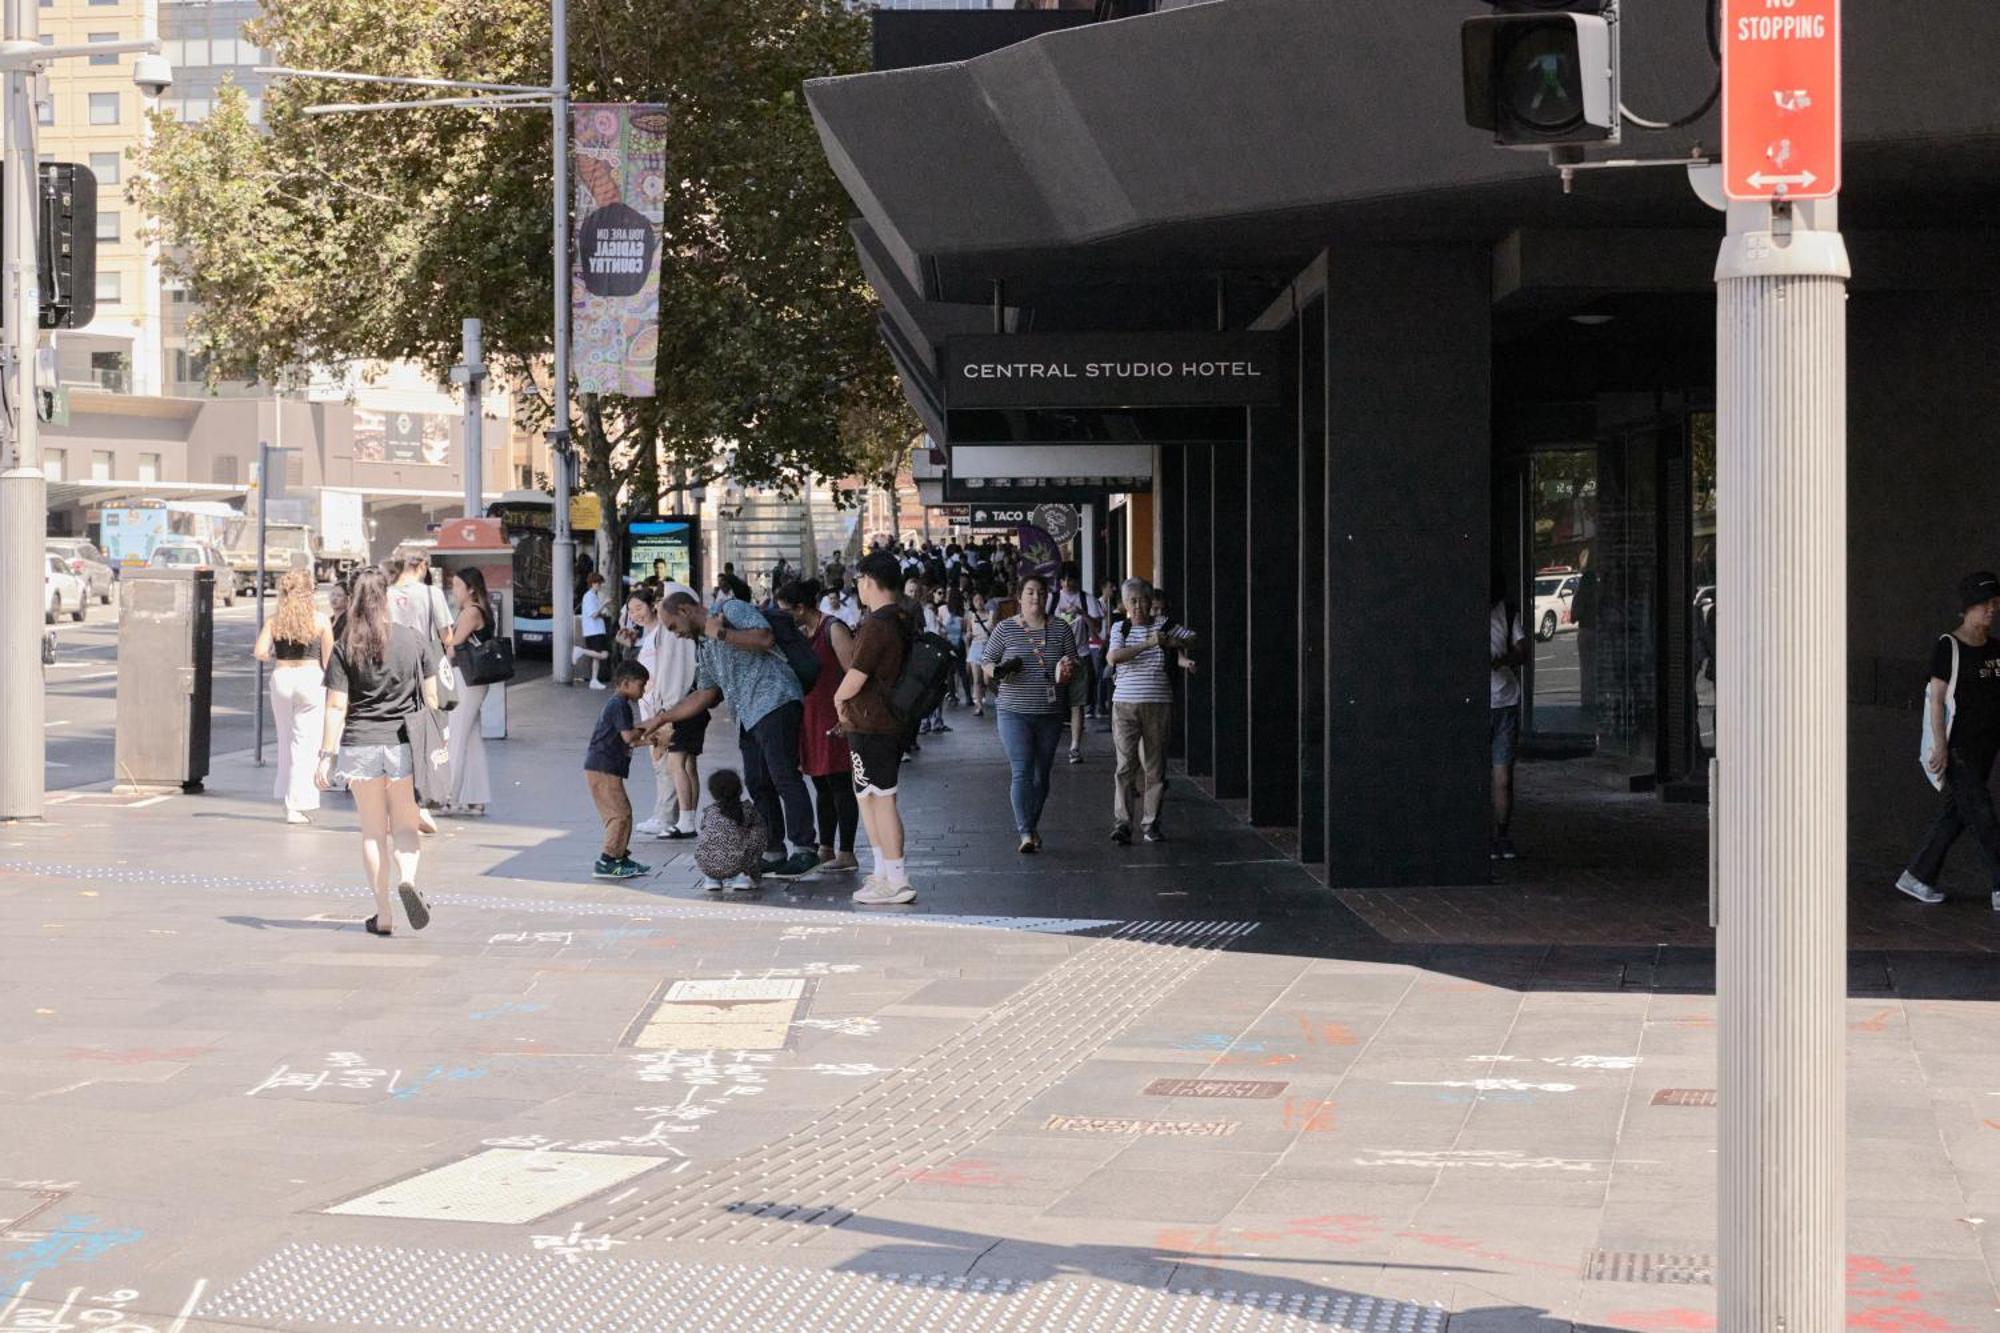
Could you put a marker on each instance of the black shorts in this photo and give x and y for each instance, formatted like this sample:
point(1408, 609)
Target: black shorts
point(686, 737)
point(877, 761)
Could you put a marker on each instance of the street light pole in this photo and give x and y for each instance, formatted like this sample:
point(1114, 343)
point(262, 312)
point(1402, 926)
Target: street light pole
point(23, 491)
point(471, 372)
point(562, 577)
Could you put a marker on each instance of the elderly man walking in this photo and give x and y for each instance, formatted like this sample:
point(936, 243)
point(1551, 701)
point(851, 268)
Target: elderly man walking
point(1142, 704)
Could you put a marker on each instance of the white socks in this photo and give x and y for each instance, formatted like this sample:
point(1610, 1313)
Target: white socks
point(896, 872)
point(876, 852)
point(685, 823)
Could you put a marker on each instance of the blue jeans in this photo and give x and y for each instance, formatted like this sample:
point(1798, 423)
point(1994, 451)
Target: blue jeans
point(1031, 740)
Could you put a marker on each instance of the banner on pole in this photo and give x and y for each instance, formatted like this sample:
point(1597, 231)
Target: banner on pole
point(620, 172)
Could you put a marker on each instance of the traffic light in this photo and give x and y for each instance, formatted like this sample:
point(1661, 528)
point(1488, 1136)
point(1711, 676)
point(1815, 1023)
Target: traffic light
point(1540, 73)
point(66, 245)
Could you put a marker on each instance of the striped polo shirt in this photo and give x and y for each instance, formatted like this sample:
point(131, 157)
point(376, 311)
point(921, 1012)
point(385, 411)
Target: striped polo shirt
point(1027, 690)
point(1141, 679)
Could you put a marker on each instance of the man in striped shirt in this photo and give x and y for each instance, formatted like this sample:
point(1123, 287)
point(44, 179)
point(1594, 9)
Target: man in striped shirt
point(1142, 704)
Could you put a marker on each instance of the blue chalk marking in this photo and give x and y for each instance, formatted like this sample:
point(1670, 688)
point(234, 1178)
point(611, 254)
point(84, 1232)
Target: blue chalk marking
point(75, 1239)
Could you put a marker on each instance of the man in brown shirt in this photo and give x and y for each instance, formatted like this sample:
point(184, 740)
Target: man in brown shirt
point(874, 733)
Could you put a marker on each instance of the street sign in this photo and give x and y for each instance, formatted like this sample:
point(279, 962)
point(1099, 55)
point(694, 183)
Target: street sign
point(1781, 99)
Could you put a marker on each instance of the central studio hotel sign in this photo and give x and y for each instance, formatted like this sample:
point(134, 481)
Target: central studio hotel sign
point(1068, 370)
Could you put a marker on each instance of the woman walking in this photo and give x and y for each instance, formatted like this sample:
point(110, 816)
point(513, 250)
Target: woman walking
point(1031, 657)
point(374, 682)
point(471, 786)
point(978, 628)
point(297, 641)
point(823, 753)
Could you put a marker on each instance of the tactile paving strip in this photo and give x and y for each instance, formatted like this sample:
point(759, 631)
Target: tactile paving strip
point(936, 1106)
point(304, 1286)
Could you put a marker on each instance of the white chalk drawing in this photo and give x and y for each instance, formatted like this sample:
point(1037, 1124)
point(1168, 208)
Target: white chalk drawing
point(846, 1027)
point(1496, 1160)
point(575, 1245)
point(849, 1070)
point(105, 1312)
point(534, 937)
point(344, 1069)
point(1485, 1084)
point(1560, 1061)
point(807, 932)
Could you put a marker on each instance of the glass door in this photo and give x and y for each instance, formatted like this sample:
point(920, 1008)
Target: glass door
point(1563, 587)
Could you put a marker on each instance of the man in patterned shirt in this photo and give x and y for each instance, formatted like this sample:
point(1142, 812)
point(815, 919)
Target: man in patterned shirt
point(1142, 704)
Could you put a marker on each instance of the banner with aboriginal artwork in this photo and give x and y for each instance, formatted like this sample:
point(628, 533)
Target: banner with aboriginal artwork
point(618, 151)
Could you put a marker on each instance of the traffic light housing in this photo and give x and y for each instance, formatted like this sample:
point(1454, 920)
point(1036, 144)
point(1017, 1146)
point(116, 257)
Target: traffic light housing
point(1543, 73)
point(66, 245)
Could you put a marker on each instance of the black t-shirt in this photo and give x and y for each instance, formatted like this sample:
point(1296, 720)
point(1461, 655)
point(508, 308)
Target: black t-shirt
point(1975, 723)
point(380, 696)
point(608, 751)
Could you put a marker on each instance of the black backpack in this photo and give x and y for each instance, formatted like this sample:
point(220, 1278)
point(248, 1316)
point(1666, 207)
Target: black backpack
point(927, 668)
point(798, 650)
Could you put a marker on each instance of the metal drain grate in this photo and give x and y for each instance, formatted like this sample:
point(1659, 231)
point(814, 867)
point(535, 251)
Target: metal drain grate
point(1686, 1270)
point(1684, 1097)
point(349, 1285)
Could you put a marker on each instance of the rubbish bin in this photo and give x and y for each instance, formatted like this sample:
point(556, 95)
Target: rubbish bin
point(166, 678)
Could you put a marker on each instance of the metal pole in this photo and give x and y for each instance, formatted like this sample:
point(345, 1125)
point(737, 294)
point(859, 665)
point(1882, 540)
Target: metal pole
point(562, 578)
point(472, 373)
point(265, 453)
point(1086, 550)
point(1781, 949)
point(23, 491)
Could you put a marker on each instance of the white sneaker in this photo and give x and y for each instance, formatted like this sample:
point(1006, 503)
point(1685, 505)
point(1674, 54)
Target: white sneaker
point(1924, 893)
point(880, 891)
point(711, 884)
point(744, 884)
point(577, 655)
point(596, 684)
point(1996, 902)
point(650, 827)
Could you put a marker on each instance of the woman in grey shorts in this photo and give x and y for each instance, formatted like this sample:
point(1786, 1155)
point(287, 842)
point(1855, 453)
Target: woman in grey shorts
point(374, 682)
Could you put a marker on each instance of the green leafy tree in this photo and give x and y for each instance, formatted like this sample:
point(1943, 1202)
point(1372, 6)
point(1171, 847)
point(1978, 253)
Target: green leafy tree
point(320, 240)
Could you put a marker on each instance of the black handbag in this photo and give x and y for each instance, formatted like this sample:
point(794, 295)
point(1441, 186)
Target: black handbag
point(484, 660)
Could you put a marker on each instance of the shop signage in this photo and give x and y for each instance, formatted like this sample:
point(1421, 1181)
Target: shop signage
point(1082, 370)
point(1047, 517)
point(953, 513)
point(421, 438)
point(1781, 99)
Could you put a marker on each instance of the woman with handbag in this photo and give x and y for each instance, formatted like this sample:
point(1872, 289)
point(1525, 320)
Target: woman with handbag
point(376, 682)
point(471, 787)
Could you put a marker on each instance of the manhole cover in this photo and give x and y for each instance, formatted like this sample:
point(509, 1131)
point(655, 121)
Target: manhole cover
point(1105, 1124)
point(1688, 1270)
point(1684, 1097)
point(1244, 1088)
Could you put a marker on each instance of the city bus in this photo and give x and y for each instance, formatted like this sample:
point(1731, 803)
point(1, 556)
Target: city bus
point(528, 518)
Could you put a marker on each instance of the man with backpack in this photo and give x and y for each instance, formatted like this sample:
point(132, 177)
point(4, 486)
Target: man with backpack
point(865, 702)
point(744, 663)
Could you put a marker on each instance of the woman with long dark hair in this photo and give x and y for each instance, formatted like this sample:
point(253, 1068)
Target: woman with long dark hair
point(374, 682)
point(823, 753)
point(1031, 657)
point(471, 787)
point(297, 641)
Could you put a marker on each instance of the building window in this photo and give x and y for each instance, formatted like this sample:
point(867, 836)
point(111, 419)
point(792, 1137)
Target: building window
point(107, 226)
point(103, 107)
point(100, 465)
point(108, 58)
point(149, 469)
point(52, 464)
point(109, 288)
point(111, 371)
point(178, 293)
point(105, 166)
point(190, 368)
point(194, 110)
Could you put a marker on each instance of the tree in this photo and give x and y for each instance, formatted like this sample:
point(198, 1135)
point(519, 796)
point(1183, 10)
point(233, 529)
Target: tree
point(323, 240)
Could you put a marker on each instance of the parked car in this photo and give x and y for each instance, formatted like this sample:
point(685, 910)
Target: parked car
point(87, 563)
point(63, 593)
point(1555, 603)
point(194, 555)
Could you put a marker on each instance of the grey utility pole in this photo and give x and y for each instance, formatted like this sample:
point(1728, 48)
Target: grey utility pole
point(562, 557)
point(471, 372)
point(1781, 948)
point(23, 492)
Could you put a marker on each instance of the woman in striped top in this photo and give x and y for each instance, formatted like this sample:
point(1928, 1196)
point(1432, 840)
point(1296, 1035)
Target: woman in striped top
point(1030, 658)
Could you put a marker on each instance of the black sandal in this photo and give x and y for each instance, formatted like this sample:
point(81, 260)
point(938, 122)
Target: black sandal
point(371, 928)
point(414, 906)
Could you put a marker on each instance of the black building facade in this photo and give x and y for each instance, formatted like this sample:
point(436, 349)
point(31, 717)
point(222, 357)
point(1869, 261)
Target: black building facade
point(1491, 383)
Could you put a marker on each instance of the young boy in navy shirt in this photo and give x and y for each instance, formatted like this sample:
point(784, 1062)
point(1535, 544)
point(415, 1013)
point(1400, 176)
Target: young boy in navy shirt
point(607, 764)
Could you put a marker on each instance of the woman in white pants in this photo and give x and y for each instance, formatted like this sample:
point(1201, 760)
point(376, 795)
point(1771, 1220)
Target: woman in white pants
point(471, 787)
point(296, 641)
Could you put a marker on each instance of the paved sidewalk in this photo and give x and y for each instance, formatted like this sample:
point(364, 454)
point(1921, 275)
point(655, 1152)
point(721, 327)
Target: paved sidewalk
point(1167, 1087)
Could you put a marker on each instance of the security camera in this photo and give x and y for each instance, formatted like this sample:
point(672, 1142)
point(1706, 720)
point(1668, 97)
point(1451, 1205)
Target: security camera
point(152, 74)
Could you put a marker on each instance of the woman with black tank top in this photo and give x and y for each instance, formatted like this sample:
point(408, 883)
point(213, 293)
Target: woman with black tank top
point(471, 787)
point(296, 641)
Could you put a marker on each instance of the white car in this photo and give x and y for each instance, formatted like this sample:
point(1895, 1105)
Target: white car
point(63, 593)
point(1555, 604)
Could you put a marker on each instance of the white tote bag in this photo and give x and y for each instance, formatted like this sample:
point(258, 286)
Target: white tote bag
point(1925, 747)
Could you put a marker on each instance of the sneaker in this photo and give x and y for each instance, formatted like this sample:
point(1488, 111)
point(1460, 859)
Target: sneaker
point(1924, 893)
point(577, 655)
point(1153, 833)
point(1076, 756)
point(1493, 849)
point(607, 868)
point(596, 684)
point(796, 866)
point(1503, 846)
point(1028, 844)
point(746, 884)
point(924, 727)
point(1122, 835)
point(651, 828)
point(879, 892)
point(710, 884)
point(425, 824)
point(634, 867)
point(940, 725)
point(1996, 901)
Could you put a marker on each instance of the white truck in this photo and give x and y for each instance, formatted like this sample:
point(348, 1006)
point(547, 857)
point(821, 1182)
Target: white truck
point(323, 529)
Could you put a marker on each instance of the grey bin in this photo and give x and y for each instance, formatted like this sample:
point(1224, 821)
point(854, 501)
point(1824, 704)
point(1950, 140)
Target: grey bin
point(166, 677)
